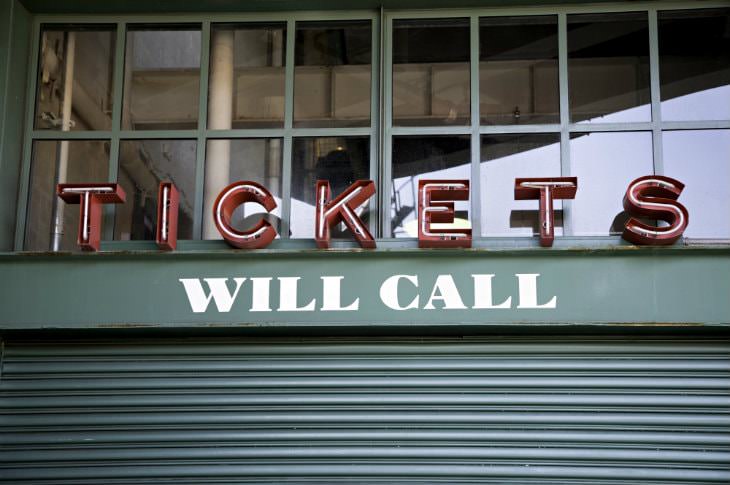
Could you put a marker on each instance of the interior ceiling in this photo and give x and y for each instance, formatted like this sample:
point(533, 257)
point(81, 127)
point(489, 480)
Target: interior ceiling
point(161, 6)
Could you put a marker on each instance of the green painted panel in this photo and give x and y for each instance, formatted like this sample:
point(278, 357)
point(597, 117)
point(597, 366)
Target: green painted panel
point(630, 286)
point(15, 24)
point(5, 34)
point(500, 411)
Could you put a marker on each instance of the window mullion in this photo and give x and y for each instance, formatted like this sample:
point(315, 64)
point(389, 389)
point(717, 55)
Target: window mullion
point(386, 183)
point(117, 100)
point(288, 123)
point(120, 49)
point(475, 196)
point(375, 118)
point(656, 112)
point(32, 77)
point(565, 169)
point(202, 127)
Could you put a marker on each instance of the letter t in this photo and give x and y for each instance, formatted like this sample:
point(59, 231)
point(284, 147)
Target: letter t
point(546, 189)
point(90, 197)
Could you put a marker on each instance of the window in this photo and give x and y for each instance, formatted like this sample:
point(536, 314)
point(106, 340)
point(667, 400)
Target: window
point(54, 225)
point(505, 157)
point(602, 93)
point(518, 70)
point(161, 77)
point(247, 76)
point(694, 64)
point(431, 72)
point(142, 165)
point(332, 74)
point(608, 68)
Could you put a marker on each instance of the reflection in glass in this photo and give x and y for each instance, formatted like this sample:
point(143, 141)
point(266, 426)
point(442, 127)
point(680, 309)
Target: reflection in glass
point(75, 74)
point(342, 161)
point(421, 157)
point(227, 161)
point(518, 70)
point(143, 164)
point(332, 74)
point(503, 159)
point(51, 224)
point(431, 72)
point(694, 64)
point(700, 159)
point(246, 85)
point(608, 67)
point(605, 163)
point(161, 78)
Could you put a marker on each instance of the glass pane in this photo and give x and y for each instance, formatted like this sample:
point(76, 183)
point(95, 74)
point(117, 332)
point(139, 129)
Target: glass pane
point(608, 68)
point(143, 164)
point(505, 158)
point(246, 85)
point(605, 164)
point(431, 72)
point(701, 161)
point(332, 74)
point(75, 74)
point(161, 78)
point(54, 162)
point(342, 161)
point(694, 64)
point(518, 70)
point(425, 157)
point(227, 161)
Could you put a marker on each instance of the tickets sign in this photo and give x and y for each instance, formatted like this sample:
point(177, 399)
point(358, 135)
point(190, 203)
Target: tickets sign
point(651, 197)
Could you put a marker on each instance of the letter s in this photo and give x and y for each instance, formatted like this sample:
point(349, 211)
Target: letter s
point(654, 197)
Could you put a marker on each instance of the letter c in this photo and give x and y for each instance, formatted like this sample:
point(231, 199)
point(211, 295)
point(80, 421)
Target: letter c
point(229, 199)
point(389, 292)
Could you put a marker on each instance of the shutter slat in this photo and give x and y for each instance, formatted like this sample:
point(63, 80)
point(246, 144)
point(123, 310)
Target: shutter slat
point(510, 410)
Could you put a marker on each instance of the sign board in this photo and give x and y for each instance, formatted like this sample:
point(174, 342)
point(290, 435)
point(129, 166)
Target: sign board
point(366, 288)
point(651, 197)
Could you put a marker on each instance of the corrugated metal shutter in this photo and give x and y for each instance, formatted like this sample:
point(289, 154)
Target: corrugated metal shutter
point(367, 411)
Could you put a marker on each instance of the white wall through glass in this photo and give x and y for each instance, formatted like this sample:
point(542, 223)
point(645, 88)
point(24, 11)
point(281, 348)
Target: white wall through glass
point(287, 99)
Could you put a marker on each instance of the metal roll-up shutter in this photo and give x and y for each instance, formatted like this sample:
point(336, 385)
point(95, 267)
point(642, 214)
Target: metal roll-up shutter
point(511, 410)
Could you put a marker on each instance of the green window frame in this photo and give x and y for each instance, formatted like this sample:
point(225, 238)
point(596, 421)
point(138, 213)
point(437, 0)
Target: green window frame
point(381, 130)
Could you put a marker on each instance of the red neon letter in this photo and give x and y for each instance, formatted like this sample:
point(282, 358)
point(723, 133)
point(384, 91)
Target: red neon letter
point(546, 189)
point(90, 197)
point(444, 192)
point(342, 209)
point(168, 202)
point(654, 197)
point(228, 200)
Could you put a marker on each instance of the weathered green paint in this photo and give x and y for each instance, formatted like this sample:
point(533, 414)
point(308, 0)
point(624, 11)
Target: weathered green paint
point(15, 24)
point(532, 409)
point(5, 42)
point(162, 6)
point(629, 286)
point(603, 286)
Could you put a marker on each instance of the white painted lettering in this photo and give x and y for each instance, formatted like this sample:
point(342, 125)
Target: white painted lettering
point(483, 299)
point(445, 290)
point(331, 295)
point(289, 295)
point(528, 292)
point(389, 292)
point(218, 291)
point(260, 301)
